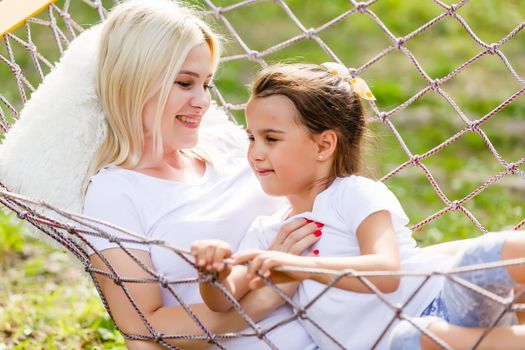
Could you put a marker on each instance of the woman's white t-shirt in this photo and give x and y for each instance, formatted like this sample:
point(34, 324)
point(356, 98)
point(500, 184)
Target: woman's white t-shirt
point(220, 205)
point(355, 320)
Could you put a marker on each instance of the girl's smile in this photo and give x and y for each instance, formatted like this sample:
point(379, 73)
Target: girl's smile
point(263, 172)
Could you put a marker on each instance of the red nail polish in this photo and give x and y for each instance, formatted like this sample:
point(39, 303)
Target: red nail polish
point(318, 224)
point(308, 220)
point(318, 233)
point(316, 251)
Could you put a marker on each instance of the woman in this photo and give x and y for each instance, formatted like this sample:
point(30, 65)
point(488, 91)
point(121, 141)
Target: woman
point(151, 176)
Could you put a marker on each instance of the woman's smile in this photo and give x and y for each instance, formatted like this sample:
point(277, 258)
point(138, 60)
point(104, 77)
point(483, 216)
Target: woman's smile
point(189, 121)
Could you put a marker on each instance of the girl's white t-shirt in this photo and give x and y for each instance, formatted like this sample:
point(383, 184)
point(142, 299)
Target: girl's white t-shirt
point(220, 205)
point(355, 320)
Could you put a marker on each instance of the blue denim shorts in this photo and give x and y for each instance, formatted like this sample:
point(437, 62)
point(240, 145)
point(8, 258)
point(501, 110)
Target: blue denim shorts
point(465, 307)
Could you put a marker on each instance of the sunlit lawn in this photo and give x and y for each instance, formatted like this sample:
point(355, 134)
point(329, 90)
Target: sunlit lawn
point(45, 300)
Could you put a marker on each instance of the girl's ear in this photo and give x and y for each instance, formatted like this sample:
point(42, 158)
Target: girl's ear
point(326, 144)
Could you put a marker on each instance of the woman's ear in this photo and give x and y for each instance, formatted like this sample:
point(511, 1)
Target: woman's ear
point(326, 144)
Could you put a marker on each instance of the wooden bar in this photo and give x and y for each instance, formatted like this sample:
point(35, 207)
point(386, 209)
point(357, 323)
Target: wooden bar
point(13, 13)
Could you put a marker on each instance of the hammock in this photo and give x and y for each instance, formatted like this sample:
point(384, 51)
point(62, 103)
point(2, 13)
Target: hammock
point(39, 172)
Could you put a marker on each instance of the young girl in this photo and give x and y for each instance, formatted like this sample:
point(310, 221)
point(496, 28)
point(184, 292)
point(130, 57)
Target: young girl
point(306, 126)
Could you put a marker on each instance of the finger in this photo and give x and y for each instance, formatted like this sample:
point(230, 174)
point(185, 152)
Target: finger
point(218, 261)
point(303, 244)
point(266, 267)
point(227, 251)
point(254, 266)
point(243, 257)
point(200, 259)
point(297, 235)
point(314, 252)
point(289, 228)
point(195, 249)
point(217, 258)
point(209, 254)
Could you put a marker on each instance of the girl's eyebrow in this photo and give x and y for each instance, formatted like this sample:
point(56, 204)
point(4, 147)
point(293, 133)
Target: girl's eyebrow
point(267, 130)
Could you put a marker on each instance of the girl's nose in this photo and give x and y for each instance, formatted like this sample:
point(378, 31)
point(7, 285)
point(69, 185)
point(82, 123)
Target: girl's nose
point(255, 153)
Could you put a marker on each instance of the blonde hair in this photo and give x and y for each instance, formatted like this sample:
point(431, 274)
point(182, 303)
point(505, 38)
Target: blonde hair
point(143, 46)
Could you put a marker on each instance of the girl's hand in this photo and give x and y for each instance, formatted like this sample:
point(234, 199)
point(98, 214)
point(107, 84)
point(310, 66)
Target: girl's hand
point(210, 254)
point(262, 262)
point(297, 236)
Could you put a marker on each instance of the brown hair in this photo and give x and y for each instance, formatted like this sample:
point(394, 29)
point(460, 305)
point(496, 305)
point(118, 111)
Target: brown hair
point(324, 102)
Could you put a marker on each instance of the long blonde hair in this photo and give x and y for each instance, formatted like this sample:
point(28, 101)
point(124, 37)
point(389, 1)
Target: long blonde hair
point(143, 46)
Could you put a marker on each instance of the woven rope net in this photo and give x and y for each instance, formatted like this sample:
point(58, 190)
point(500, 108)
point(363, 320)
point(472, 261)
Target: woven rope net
point(58, 23)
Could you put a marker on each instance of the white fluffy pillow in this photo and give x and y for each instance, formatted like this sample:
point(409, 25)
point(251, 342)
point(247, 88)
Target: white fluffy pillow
point(47, 152)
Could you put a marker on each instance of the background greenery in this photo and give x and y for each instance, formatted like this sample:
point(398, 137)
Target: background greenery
point(46, 302)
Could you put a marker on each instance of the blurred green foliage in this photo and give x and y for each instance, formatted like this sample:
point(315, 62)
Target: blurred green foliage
point(45, 303)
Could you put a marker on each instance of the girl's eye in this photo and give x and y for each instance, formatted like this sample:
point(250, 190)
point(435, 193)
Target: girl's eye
point(251, 138)
point(270, 139)
point(208, 87)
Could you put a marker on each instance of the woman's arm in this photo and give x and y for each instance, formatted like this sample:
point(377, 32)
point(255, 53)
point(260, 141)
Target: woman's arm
point(379, 252)
point(167, 320)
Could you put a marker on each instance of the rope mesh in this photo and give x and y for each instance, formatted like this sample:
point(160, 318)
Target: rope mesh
point(28, 67)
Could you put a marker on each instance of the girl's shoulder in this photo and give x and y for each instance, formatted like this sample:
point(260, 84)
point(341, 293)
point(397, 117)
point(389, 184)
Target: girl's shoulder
point(363, 196)
point(359, 185)
point(362, 192)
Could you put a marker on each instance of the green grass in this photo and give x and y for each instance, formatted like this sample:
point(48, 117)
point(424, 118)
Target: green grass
point(46, 302)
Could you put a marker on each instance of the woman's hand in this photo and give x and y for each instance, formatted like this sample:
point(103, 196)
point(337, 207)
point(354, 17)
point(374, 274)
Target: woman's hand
point(262, 262)
point(210, 254)
point(297, 236)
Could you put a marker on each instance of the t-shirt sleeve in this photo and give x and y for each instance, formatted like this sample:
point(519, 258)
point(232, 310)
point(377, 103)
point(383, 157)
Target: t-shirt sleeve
point(254, 237)
point(110, 199)
point(357, 201)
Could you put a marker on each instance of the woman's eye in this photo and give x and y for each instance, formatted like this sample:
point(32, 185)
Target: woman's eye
point(270, 139)
point(183, 84)
point(251, 138)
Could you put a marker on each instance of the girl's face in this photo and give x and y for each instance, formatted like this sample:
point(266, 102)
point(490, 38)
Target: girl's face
point(187, 102)
point(282, 153)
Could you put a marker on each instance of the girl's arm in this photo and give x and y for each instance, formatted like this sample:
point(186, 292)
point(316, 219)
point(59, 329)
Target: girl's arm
point(164, 319)
point(379, 252)
point(294, 237)
point(209, 256)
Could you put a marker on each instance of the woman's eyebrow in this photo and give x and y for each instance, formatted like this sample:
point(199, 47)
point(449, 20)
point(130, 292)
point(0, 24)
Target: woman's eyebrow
point(194, 74)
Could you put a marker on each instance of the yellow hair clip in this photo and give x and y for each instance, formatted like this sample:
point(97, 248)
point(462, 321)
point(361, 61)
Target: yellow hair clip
point(359, 86)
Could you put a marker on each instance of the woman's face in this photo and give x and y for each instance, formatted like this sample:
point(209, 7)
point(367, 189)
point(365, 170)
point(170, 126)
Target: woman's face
point(187, 102)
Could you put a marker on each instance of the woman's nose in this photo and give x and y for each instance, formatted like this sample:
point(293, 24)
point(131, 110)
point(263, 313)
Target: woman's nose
point(201, 98)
